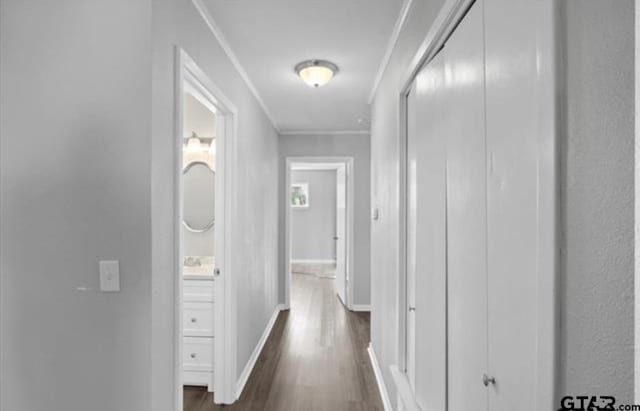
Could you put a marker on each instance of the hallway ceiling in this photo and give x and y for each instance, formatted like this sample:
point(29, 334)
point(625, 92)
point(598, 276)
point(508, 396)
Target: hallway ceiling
point(270, 37)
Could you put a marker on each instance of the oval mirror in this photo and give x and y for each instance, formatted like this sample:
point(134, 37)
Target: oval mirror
point(199, 184)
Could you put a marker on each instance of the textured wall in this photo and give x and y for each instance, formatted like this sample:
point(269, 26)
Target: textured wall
point(598, 165)
point(313, 228)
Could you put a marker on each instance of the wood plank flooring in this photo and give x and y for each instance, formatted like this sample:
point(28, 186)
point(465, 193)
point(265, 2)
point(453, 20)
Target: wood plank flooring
point(315, 359)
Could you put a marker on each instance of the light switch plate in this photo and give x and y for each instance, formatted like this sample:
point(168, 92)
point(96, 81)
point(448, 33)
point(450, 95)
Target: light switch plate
point(110, 276)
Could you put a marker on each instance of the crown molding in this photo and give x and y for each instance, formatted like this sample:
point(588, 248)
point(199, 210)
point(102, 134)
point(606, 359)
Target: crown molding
point(325, 133)
point(208, 19)
point(393, 40)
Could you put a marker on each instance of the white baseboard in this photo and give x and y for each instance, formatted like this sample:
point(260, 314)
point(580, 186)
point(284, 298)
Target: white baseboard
point(313, 261)
point(378, 373)
point(242, 380)
point(360, 307)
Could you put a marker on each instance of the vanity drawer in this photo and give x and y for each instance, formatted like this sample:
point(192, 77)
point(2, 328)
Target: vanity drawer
point(197, 290)
point(197, 319)
point(197, 354)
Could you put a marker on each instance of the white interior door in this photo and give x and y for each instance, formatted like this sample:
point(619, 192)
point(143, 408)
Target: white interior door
point(429, 144)
point(342, 275)
point(466, 214)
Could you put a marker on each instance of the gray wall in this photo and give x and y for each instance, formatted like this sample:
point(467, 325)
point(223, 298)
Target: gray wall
point(75, 188)
point(254, 263)
point(358, 147)
point(385, 175)
point(598, 164)
point(313, 228)
point(86, 157)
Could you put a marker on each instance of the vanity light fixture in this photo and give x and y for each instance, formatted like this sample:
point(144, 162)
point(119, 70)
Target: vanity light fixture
point(316, 73)
point(193, 145)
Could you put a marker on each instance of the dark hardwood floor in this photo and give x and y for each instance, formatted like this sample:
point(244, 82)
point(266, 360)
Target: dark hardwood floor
point(315, 359)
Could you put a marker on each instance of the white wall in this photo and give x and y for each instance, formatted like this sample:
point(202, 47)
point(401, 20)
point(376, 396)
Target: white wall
point(177, 22)
point(75, 188)
point(313, 228)
point(598, 164)
point(358, 147)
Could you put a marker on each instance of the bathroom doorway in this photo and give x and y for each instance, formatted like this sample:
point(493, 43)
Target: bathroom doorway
point(204, 359)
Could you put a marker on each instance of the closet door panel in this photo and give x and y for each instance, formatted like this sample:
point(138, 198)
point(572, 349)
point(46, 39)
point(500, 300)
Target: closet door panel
point(430, 255)
point(466, 214)
point(519, 109)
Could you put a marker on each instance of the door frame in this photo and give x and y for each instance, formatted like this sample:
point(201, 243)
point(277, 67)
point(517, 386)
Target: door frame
point(451, 14)
point(189, 75)
point(349, 164)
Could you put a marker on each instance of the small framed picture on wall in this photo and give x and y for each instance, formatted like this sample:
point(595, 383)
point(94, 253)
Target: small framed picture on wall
point(299, 195)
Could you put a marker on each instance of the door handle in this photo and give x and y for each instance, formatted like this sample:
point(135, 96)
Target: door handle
point(336, 238)
point(486, 380)
point(216, 272)
point(412, 308)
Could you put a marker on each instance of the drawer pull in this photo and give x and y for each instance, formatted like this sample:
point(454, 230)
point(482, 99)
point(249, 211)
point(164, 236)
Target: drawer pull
point(193, 355)
point(194, 320)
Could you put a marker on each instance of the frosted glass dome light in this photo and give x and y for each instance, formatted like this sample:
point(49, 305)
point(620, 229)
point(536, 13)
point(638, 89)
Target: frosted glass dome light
point(316, 73)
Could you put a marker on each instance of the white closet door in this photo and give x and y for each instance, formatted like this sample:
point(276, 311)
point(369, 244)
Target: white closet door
point(430, 258)
point(519, 109)
point(466, 214)
point(411, 236)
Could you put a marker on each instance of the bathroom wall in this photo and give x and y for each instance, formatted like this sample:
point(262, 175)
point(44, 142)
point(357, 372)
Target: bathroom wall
point(200, 120)
point(313, 228)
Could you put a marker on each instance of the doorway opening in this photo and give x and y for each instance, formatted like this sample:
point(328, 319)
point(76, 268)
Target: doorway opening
point(204, 336)
point(319, 223)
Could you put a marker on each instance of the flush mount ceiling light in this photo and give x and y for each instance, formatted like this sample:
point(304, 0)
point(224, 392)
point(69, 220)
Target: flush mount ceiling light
point(316, 73)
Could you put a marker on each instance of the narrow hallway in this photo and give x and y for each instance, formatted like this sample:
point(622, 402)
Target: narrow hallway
point(315, 359)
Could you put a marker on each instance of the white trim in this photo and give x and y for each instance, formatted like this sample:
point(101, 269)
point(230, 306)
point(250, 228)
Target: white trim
point(225, 313)
point(349, 162)
point(382, 388)
point(246, 373)
point(313, 261)
point(451, 12)
point(324, 132)
point(403, 387)
point(393, 40)
point(361, 307)
point(315, 166)
point(206, 16)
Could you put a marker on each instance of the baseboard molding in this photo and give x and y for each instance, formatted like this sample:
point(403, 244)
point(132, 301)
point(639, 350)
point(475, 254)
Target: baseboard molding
point(378, 373)
point(242, 380)
point(360, 307)
point(313, 261)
